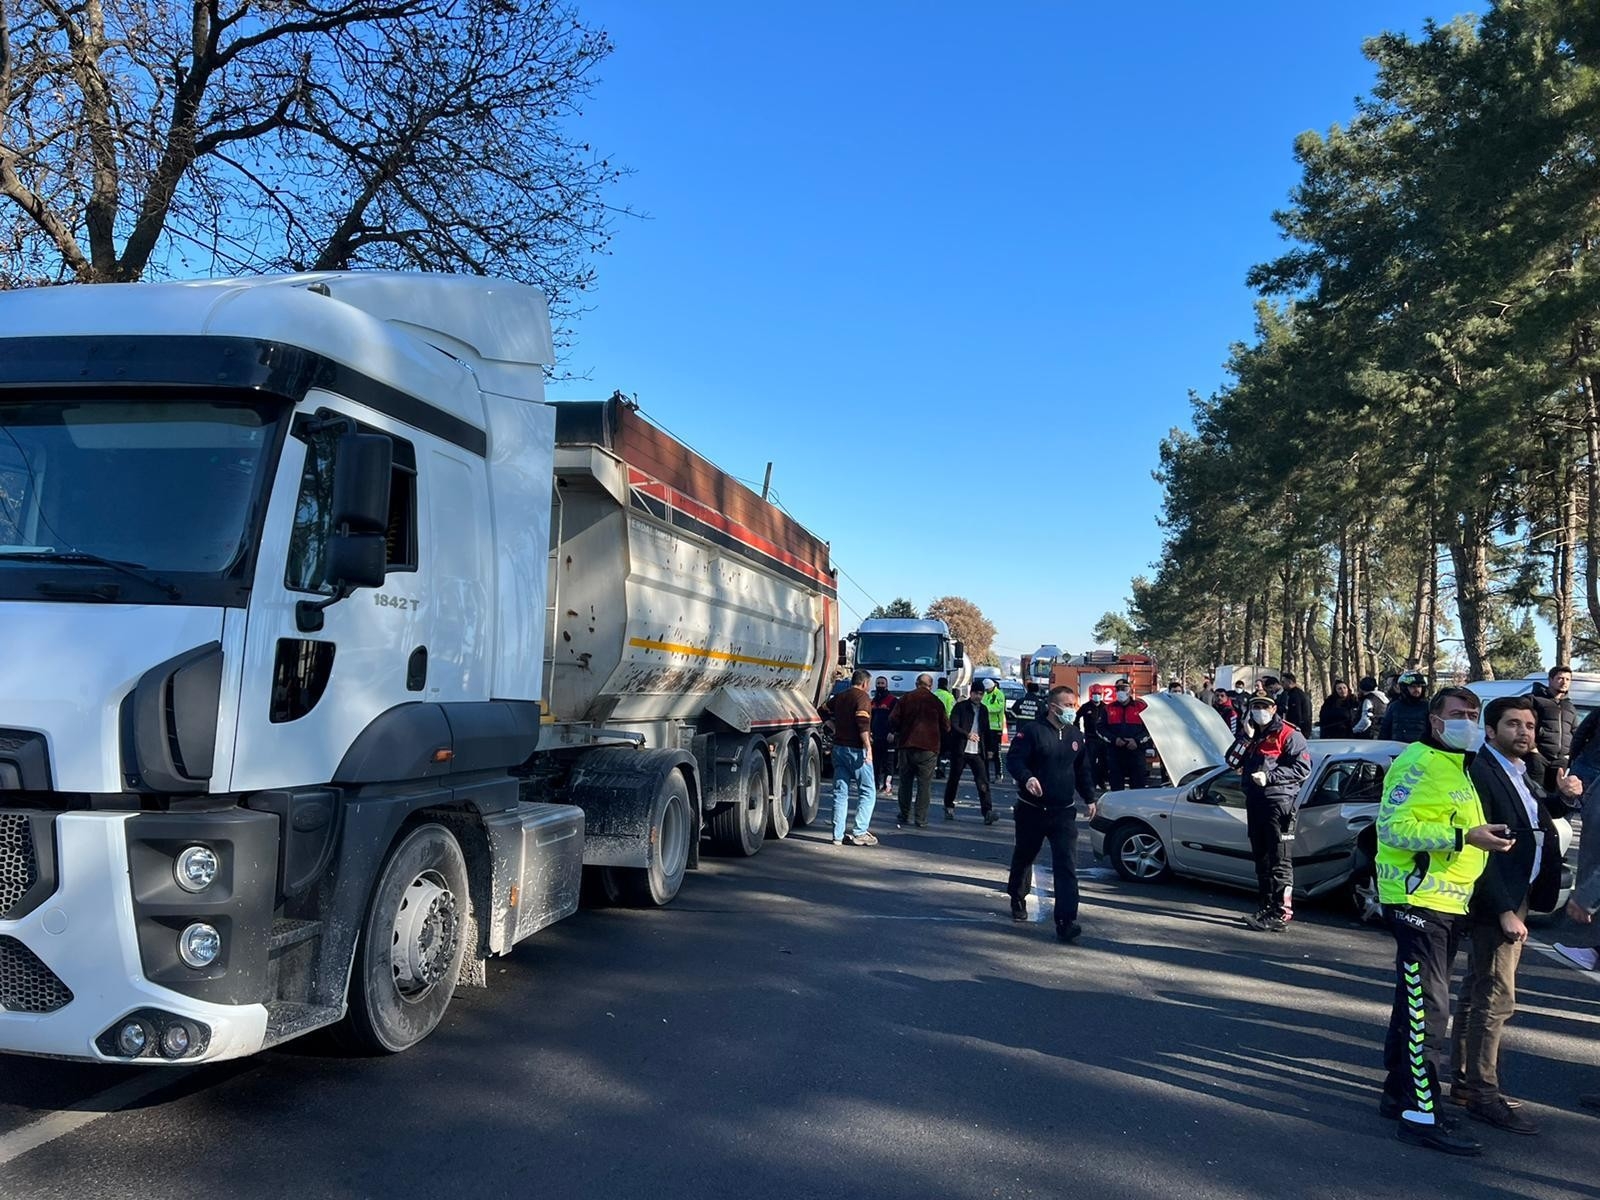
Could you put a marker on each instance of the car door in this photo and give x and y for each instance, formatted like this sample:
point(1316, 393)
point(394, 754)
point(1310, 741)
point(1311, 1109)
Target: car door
point(1209, 836)
point(1324, 840)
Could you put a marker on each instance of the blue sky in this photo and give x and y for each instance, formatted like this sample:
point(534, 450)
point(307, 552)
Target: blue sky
point(953, 269)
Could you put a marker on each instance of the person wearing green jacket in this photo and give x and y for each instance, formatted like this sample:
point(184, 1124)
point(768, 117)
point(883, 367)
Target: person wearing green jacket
point(994, 700)
point(1433, 844)
point(948, 699)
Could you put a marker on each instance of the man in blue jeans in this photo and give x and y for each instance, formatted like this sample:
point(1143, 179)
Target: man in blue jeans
point(851, 717)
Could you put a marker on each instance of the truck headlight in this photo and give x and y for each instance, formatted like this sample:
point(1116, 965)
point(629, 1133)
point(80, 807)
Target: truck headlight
point(196, 868)
point(199, 945)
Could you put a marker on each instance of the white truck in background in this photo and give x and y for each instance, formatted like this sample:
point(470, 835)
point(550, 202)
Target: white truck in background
point(334, 656)
point(901, 648)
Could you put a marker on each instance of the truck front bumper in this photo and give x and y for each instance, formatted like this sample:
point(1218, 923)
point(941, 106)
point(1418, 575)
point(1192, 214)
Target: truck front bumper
point(73, 965)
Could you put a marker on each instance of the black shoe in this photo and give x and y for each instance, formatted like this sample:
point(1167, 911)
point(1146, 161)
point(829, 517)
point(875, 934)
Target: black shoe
point(905, 818)
point(1495, 1111)
point(1068, 933)
point(949, 813)
point(1019, 910)
point(1443, 1138)
point(990, 817)
point(1266, 920)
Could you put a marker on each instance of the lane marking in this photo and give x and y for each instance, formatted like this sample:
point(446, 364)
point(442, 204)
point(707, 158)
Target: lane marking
point(64, 1121)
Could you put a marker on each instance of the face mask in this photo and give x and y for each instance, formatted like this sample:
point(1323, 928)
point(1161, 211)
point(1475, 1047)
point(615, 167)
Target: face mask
point(1462, 735)
point(1064, 715)
point(1123, 693)
point(1261, 717)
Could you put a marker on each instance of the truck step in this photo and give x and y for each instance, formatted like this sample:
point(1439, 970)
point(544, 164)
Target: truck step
point(286, 1019)
point(288, 932)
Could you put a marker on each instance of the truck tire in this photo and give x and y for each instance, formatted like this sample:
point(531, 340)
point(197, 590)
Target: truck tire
point(785, 787)
point(740, 828)
point(808, 798)
point(412, 943)
point(671, 833)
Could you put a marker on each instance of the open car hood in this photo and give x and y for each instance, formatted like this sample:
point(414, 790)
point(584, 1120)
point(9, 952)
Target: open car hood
point(1189, 736)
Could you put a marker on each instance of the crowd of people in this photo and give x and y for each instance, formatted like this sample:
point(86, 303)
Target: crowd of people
point(1466, 839)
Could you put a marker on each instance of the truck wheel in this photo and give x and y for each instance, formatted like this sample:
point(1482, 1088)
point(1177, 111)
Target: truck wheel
point(412, 943)
point(741, 827)
point(786, 765)
point(671, 828)
point(808, 799)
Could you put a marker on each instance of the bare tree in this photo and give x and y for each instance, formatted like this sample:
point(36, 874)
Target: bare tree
point(156, 137)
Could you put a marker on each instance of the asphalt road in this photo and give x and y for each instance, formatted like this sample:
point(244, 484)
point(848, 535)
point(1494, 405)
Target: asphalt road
point(825, 1021)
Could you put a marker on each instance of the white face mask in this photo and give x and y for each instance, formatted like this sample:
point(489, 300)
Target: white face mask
point(1064, 715)
point(1261, 717)
point(1123, 693)
point(1462, 735)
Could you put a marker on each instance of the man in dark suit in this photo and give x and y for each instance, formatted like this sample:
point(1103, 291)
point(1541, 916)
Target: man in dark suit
point(1528, 873)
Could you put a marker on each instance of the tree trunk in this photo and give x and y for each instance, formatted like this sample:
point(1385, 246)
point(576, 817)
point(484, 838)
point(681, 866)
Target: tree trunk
point(1249, 629)
point(1469, 551)
point(1591, 430)
point(1563, 574)
point(1419, 607)
point(1337, 635)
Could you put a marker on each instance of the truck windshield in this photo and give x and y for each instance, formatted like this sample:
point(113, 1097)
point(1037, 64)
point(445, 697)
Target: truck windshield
point(163, 485)
point(889, 650)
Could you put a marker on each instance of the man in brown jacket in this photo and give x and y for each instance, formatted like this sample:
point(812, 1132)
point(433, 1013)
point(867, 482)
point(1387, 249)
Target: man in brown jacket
point(920, 726)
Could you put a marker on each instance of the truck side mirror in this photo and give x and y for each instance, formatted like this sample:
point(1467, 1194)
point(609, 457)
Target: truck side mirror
point(361, 473)
point(844, 653)
point(961, 655)
point(358, 551)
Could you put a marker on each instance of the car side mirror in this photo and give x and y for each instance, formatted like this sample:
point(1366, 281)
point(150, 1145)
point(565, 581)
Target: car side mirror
point(844, 653)
point(961, 655)
point(357, 560)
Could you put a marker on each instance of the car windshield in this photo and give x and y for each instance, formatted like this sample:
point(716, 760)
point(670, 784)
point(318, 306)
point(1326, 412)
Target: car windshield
point(168, 485)
point(899, 650)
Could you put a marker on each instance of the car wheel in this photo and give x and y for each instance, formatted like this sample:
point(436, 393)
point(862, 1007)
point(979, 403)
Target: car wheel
point(1137, 853)
point(1363, 892)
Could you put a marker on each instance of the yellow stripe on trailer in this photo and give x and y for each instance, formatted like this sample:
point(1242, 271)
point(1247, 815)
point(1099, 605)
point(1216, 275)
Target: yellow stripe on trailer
point(717, 655)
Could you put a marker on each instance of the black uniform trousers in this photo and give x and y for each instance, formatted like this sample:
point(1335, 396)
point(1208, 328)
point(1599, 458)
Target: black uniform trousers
point(980, 776)
point(1425, 950)
point(991, 751)
point(1269, 823)
point(1128, 767)
point(1036, 825)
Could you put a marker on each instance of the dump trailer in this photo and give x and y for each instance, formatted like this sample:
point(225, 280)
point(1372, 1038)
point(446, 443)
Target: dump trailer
point(338, 661)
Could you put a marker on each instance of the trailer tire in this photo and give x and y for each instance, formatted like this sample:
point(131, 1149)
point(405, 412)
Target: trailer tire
point(412, 942)
point(671, 834)
point(808, 799)
point(785, 786)
point(740, 827)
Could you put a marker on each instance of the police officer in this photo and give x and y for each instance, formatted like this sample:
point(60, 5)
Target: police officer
point(1052, 772)
point(1028, 707)
point(1406, 718)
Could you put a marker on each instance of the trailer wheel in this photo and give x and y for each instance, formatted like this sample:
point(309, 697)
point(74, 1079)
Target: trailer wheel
point(671, 831)
point(412, 943)
point(808, 799)
point(786, 767)
point(741, 827)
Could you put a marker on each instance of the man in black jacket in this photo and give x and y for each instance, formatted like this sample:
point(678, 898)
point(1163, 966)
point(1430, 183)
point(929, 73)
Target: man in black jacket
point(1048, 762)
point(1528, 873)
point(1273, 764)
point(1294, 706)
point(1557, 720)
point(969, 722)
point(1406, 718)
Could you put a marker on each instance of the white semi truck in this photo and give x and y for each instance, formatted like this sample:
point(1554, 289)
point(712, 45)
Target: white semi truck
point(334, 655)
point(901, 648)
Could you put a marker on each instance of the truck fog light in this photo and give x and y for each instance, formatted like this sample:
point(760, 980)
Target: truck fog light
point(132, 1039)
point(175, 1042)
point(199, 945)
point(196, 868)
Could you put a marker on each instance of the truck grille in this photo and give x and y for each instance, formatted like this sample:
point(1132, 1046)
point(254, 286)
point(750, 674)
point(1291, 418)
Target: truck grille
point(19, 869)
point(26, 984)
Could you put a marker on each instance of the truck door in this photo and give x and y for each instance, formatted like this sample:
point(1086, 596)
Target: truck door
point(307, 694)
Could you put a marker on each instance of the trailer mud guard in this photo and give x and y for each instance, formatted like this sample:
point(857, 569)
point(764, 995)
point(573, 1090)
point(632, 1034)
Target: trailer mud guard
point(617, 787)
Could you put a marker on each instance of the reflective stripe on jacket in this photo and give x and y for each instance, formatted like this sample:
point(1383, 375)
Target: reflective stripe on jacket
point(1429, 803)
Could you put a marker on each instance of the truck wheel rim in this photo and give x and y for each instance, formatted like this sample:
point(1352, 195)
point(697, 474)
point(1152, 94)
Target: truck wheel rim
point(674, 838)
point(425, 931)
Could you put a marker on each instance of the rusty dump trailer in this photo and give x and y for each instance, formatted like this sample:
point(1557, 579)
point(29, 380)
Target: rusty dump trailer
point(689, 621)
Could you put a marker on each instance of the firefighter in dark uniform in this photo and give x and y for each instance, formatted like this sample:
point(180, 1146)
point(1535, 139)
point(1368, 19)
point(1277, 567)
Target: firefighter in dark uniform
point(1273, 762)
point(1047, 759)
